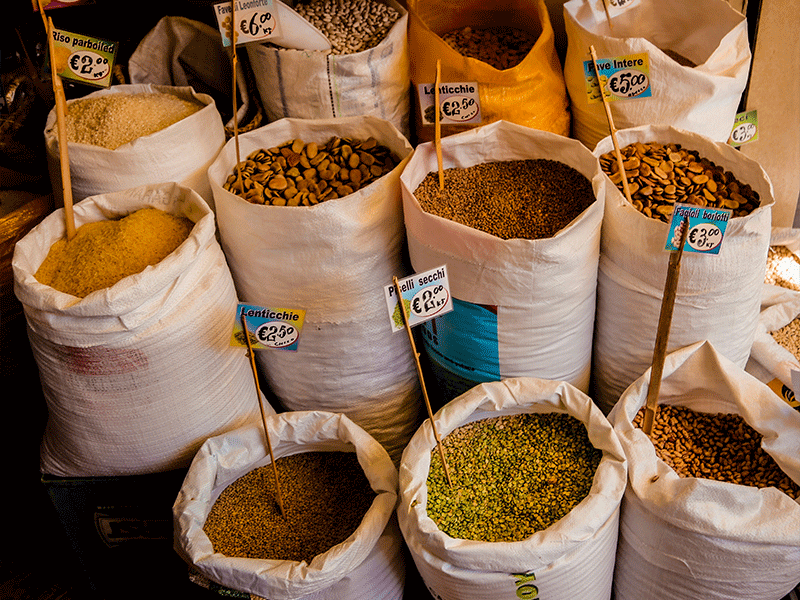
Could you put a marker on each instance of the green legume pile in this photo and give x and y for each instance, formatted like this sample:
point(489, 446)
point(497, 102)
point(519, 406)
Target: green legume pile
point(512, 476)
point(528, 199)
point(718, 446)
point(325, 497)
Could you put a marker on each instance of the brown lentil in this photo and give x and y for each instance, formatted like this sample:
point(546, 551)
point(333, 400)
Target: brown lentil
point(104, 252)
point(788, 336)
point(718, 446)
point(659, 175)
point(783, 268)
point(296, 173)
point(512, 476)
point(351, 26)
point(530, 199)
point(325, 497)
point(500, 47)
point(112, 120)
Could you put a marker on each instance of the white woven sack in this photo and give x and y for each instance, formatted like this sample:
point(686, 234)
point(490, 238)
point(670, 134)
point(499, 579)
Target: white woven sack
point(573, 558)
point(772, 356)
point(544, 289)
point(718, 297)
point(181, 152)
point(698, 538)
point(137, 375)
point(331, 260)
point(306, 84)
point(703, 99)
point(369, 564)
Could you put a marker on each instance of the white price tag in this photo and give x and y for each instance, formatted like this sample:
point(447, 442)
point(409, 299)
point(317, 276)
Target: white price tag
point(255, 21)
point(424, 296)
point(459, 103)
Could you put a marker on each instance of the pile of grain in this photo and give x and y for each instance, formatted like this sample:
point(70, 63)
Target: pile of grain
point(104, 252)
point(112, 120)
point(783, 268)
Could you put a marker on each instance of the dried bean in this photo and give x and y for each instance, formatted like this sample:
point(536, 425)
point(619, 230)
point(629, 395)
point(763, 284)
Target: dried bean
point(501, 47)
point(299, 174)
point(325, 497)
point(718, 446)
point(783, 268)
point(530, 199)
point(669, 173)
point(512, 476)
point(788, 336)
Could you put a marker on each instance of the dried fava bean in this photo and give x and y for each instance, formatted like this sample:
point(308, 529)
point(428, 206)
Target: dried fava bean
point(529, 199)
point(300, 174)
point(512, 476)
point(788, 336)
point(659, 175)
point(718, 446)
point(352, 26)
point(783, 268)
point(500, 47)
point(325, 497)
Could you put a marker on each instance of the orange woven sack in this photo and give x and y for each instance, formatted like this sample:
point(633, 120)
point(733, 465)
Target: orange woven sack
point(532, 93)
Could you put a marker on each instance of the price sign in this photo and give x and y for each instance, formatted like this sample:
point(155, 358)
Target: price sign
point(459, 103)
point(423, 296)
point(84, 59)
point(268, 328)
point(620, 78)
point(706, 228)
point(256, 21)
point(745, 128)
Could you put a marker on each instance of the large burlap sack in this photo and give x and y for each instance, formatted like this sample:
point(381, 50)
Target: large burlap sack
point(718, 296)
point(703, 98)
point(332, 260)
point(697, 538)
point(306, 84)
point(369, 564)
point(521, 307)
point(136, 376)
point(181, 152)
point(573, 558)
point(532, 93)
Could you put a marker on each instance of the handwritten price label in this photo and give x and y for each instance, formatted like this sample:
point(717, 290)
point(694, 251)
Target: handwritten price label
point(83, 59)
point(459, 103)
point(423, 297)
point(256, 21)
point(268, 328)
point(619, 78)
point(745, 129)
point(706, 228)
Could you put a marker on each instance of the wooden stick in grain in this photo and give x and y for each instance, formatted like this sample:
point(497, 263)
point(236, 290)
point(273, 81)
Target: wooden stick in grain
point(438, 122)
point(251, 356)
point(235, 66)
point(612, 129)
point(421, 380)
point(662, 334)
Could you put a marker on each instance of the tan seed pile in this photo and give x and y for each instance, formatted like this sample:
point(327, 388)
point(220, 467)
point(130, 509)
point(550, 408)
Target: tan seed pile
point(512, 476)
point(788, 336)
point(104, 252)
point(529, 199)
point(783, 268)
point(303, 174)
point(718, 446)
point(351, 25)
point(325, 497)
point(500, 47)
point(112, 120)
point(659, 175)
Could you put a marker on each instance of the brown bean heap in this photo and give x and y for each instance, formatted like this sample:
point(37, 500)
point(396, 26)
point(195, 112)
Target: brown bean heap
point(783, 268)
point(659, 175)
point(500, 47)
point(529, 199)
point(351, 27)
point(788, 336)
point(718, 446)
point(325, 497)
point(303, 174)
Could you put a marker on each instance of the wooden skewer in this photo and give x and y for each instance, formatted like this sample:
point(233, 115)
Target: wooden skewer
point(612, 129)
point(608, 14)
point(252, 357)
point(235, 65)
point(422, 380)
point(662, 335)
point(61, 127)
point(438, 123)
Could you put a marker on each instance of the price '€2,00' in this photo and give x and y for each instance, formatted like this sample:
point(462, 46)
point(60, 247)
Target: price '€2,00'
point(89, 65)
